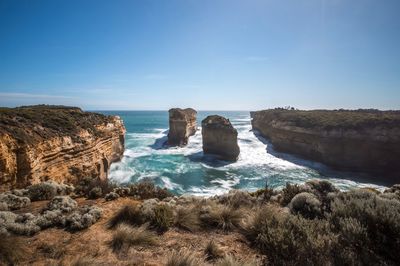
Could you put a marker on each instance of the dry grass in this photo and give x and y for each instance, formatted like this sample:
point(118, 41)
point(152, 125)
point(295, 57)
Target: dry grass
point(223, 217)
point(12, 249)
point(127, 236)
point(231, 261)
point(212, 251)
point(182, 259)
point(129, 214)
point(187, 219)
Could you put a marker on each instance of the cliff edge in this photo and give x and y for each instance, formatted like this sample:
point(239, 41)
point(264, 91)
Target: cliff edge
point(360, 140)
point(59, 143)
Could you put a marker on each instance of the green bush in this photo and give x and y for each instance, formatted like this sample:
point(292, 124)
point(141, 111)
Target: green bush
point(306, 204)
point(147, 190)
point(163, 218)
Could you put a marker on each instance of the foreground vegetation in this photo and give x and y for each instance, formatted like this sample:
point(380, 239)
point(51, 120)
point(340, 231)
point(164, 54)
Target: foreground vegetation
point(308, 224)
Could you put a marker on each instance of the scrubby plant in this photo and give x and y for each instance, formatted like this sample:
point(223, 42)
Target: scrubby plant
point(3, 206)
point(237, 199)
point(50, 218)
point(306, 204)
point(220, 216)
point(95, 193)
point(63, 203)
point(289, 192)
point(47, 190)
point(94, 188)
point(127, 236)
point(163, 218)
point(129, 214)
point(12, 249)
point(375, 224)
point(23, 224)
point(84, 260)
point(13, 202)
point(83, 218)
point(213, 251)
point(187, 218)
point(182, 258)
point(290, 240)
point(147, 190)
point(111, 196)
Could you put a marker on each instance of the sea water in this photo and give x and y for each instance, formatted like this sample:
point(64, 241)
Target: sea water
point(187, 170)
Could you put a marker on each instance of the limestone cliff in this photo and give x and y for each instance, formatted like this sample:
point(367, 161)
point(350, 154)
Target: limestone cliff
point(182, 125)
point(220, 138)
point(57, 143)
point(362, 140)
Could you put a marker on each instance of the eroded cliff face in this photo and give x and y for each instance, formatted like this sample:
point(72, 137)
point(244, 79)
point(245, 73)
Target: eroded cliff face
point(63, 144)
point(220, 138)
point(363, 141)
point(182, 125)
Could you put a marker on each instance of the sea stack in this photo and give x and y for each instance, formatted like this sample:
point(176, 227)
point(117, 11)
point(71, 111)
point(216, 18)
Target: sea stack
point(182, 125)
point(220, 138)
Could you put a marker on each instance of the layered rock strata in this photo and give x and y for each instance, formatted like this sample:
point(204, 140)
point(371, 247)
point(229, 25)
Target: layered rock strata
point(363, 140)
point(63, 144)
point(220, 138)
point(182, 125)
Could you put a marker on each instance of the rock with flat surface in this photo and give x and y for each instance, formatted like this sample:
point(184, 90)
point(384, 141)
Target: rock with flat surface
point(182, 125)
point(220, 138)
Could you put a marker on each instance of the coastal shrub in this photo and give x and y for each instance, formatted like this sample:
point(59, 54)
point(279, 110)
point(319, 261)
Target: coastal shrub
point(187, 218)
point(378, 217)
point(111, 196)
point(163, 218)
point(12, 249)
point(95, 193)
point(94, 188)
point(83, 218)
point(23, 224)
point(289, 192)
point(288, 239)
point(221, 216)
point(122, 191)
point(231, 261)
point(182, 258)
point(50, 218)
point(3, 206)
point(62, 203)
point(147, 190)
point(47, 190)
point(306, 204)
point(127, 236)
point(129, 214)
point(237, 198)
point(213, 251)
point(13, 202)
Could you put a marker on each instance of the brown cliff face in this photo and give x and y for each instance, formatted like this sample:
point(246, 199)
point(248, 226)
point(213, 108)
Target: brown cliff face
point(220, 138)
point(182, 125)
point(363, 140)
point(63, 144)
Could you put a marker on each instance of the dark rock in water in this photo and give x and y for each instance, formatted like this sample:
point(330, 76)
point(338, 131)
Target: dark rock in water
point(220, 138)
point(182, 125)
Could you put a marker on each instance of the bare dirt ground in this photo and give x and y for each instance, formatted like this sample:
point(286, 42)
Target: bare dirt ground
point(91, 246)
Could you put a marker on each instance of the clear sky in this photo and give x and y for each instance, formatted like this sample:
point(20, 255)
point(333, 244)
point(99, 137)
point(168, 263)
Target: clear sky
point(206, 54)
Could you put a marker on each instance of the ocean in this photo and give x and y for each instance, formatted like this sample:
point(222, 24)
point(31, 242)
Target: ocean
point(185, 170)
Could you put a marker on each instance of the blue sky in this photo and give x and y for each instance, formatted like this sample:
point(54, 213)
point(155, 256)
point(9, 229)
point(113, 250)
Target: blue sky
point(208, 54)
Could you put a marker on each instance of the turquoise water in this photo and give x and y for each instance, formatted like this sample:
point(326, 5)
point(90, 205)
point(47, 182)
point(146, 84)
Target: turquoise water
point(187, 170)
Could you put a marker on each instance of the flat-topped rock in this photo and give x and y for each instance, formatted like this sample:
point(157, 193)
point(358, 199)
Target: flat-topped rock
point(220, 138)
point(182, 125)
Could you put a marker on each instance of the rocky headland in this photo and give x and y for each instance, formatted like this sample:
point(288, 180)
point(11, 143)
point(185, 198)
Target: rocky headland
point(64, 144)
point(361, 140)
point(220, 138)
point(182, 125)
